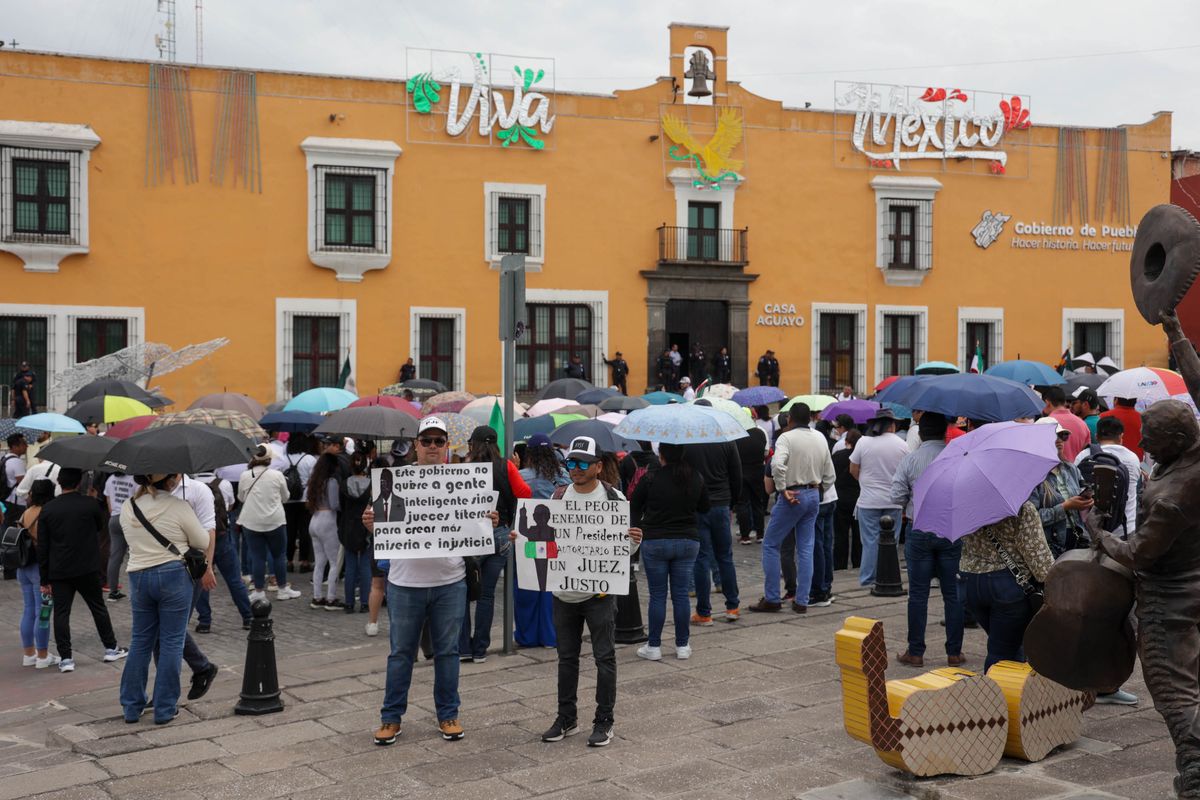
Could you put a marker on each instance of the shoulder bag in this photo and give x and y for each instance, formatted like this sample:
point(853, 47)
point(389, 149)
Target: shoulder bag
point(194, 559)
point(1035, 592)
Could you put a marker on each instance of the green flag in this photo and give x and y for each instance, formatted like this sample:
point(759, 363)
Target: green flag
point(346, 378)
point(496, 423)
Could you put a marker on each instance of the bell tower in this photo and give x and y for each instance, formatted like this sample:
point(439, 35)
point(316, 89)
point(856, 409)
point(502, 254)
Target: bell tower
point(699, 65)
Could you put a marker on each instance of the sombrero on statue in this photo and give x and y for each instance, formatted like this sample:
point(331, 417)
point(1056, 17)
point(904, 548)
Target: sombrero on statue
point(1164, 266)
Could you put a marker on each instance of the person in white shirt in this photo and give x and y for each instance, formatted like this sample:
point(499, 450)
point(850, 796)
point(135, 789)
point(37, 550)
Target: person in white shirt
point(913, 438)
point(842, 424)
point(873, 463)
point(262, 492)
point(13, 465)
point(685, 384)
point(225, 557)
point(200, 498)
point(1109, 431)
point(40, 469)
point(847, 393)
point(117, 489)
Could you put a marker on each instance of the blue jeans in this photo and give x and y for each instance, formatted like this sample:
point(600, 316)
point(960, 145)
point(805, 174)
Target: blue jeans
point(161, 600)
point(358, 574)
point(801, 517)
point(868, 530)
point(927, 556)
point(225, 559)
point(822, 577)
point(716, 543)
point(408, 610)
point(1002, 610)
point(32, 634)
point(264, 544)
point(490, 568)
point(669, 561)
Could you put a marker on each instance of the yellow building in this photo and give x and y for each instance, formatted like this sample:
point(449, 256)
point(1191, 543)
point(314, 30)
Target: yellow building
point(307, 217)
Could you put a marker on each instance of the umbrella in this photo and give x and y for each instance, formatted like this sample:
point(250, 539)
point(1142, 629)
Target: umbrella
point(231, 401)
point(117, 388)
point(8, 426)
point(1084, 359)
point(595, 396)
point(1107, 366)
point(886, 382)
point(1147, 385)
point(740, 413)
point(981, 397)
point(480, 409)
point(1031, 373)
point(623, 403)
point(388, 401)
point(108, 408)
point(1091, 380)
point(680, 424)
point(570, 388)
point(612, 417)
point(759, 396)
point(982, 477)
point(586, 410)
point(815, 402)
point(459, 429)
point(725, 391)
point(51, 423)
point(78, 452)
point(606, 439)
point(528, 426)
point(662, 398)
point(178, 448)
point(370, 422)
point(898, 411)
point(128, 427)
point(935, 368)
point(420, 387)
point(548, 406)
point(321, 400)
point(860, 410)
point(290, 421)
point(447, 402)
point(276, 406)
point(233, 420)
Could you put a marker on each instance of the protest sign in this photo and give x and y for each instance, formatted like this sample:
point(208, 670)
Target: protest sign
point(573, 545)
point(433, 511)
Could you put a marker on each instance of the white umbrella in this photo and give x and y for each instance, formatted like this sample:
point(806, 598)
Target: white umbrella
point(612, 418)
point(548, 406)
point(1144, 384)
point(480, 409)
point(724, 391)
point(739, 413)
point(680, 423)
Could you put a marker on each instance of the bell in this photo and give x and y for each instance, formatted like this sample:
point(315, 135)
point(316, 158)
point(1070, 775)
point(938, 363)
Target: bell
point(700, 75)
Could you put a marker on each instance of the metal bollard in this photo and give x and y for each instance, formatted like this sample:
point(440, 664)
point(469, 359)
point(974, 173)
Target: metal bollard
point(260, 681)
point(629, 629)
point(887, 566)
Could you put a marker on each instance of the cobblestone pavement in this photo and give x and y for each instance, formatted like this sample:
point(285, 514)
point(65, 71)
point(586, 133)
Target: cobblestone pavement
point(755, 712)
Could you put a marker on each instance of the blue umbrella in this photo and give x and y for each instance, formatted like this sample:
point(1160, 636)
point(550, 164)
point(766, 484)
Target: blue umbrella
point(759, 396)
point(321, 400)
point(602, 432)
point(936, 368)
point(525, 427)
point(596, 396)
point(680, 424)
point(52, 423)
point(899, 411)
point(662, 398)
point(290, 421)
point(1031, 373)
point(982, 397)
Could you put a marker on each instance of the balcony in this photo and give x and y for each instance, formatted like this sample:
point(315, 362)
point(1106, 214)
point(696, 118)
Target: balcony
point(703, 246)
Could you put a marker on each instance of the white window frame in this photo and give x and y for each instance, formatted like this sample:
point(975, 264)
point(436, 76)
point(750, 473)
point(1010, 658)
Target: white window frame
point(923, 190)
point(459, 315)
point(597, 301)
point(966, 351)
point(535, 260)
point(378, 154)
point(288, 307)
point(683, 180)
point(1114, 316)
point(860, 311)
point(60, 335)
point(920, 346)
point(53, 137)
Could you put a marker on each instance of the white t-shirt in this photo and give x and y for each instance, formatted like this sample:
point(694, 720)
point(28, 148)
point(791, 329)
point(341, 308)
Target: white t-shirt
point(278, 454)
point(1131, 463)
point(14, 470)
point(117, 490)
point(840, 444)
point(914, 437)
point(877, 458)
point(423, 573)
point(768, 426)
point(42, 469)
point(200, 498)
point(689, 394)
point(304, 465)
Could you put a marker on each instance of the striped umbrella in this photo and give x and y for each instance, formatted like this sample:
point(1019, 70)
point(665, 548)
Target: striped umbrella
point(232, 420)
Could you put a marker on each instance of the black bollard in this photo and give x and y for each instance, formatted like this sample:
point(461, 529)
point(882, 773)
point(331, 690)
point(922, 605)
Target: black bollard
point(260, 681)
point(887, 565)
point(629, 628)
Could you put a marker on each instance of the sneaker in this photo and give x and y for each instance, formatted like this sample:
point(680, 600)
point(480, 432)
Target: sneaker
point(650, 653)
point(245, 624)
point(337, 605)
point(479, 659)
point(286, 593)
point(822, 601)
point(703, 622)
point(316, 602)
point(683, 651)
point(601, 734)
point(561, 729)
point(348, 609)
point(29, 661)
point(364, 609)
point(465, 659)
point(66, 665)
point(115, 654)
point(174, 714)
point(733, 614)
point(452, 730)
point(201, 681)
point(745, 540)
point(372, 629)
point(203, 627)
point(387, 733)
point(1118, 698)
point(272, 584)
point(115, 596)
point(257, 595)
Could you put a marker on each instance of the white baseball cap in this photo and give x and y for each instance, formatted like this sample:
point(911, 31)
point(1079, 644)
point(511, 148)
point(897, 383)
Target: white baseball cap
point(1052, 421)
point(431, 424)
point(583, 448)
point(685, 381)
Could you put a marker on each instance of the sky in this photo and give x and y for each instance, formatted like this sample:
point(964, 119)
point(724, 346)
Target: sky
point(1093, 63)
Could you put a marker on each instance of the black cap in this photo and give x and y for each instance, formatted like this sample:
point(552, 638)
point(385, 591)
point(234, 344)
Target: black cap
point(483, 433)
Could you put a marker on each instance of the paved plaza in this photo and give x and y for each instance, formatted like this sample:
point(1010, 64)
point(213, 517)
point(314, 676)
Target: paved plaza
point(755, 713)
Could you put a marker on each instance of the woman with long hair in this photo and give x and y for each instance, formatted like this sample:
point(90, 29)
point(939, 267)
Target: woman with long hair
point(34, 639)
point(323, 502)
point(301, 458)
point(262, 491)
point(355, 538)
point(664, 505)
point(160, 590)
point(534, 614)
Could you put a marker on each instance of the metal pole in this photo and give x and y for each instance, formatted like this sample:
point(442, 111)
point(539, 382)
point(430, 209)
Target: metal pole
point(510, 568)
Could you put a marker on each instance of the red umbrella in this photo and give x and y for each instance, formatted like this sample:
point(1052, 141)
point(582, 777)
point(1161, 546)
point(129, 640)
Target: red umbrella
point(387, 401)
point(886, 382)
point(126, 428)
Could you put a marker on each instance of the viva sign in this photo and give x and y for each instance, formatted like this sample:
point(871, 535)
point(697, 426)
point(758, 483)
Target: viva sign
point(521, 118)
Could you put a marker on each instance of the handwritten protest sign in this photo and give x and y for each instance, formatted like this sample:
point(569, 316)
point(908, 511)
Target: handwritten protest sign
point(433, 511)
point(573, 545)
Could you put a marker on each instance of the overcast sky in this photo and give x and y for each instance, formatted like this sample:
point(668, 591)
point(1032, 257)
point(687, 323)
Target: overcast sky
point(1098, 62)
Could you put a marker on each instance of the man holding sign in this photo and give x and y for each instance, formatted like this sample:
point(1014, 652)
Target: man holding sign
point(446, 512)
point(578, 547)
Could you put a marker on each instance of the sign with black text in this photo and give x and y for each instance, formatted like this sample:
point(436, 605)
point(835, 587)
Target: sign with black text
point(573, 545)
point(433, 511)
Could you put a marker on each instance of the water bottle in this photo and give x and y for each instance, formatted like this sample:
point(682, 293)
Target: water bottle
point(47, 610)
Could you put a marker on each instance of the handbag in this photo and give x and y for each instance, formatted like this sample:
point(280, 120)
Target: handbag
point(1035, 592)
point(194, 559)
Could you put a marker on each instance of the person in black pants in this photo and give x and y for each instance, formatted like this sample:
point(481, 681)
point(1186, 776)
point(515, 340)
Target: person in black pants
point(69, 560)
point(847, 546)
point(752, 503)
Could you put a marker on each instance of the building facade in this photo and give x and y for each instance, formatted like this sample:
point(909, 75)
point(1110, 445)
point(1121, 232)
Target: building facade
point(312, 218)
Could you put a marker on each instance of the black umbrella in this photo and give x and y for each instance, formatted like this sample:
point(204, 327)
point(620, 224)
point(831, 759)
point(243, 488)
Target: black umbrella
point(421, 384)
point(178, 448)
point(623, 403)
point(77, 452)
point(594, 396)
point(1091, 380)
point(369, 422)
point(602, 432)
point(566, 388)
point(120, 389)
point(290, 421)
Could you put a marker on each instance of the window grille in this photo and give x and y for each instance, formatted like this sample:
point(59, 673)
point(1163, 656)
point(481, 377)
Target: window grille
point(516, 224)
point(906, 233)
point(351, 209)
point(40, 196)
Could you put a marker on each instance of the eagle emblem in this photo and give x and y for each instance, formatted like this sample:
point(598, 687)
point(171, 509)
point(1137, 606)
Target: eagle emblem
point(711, 159)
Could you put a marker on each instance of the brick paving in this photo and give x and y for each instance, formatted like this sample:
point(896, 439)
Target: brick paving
point(755, 713)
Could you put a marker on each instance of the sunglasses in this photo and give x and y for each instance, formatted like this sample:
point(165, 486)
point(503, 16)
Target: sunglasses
point(431, 441)
point(576, 464)
point(1063, 436)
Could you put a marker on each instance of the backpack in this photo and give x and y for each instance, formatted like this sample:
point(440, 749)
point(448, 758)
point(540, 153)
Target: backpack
point(638, 473)
point(1110, 480)
point(295, 486)
point(16, 550)
point(220, 510)
point(5, 489)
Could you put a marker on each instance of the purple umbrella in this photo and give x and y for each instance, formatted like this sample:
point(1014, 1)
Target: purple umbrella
point(861, 410)
point(759, 396)
point(982, 478)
